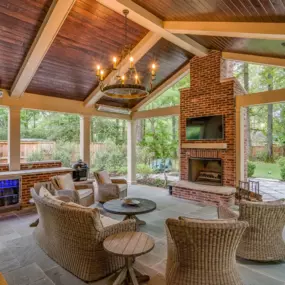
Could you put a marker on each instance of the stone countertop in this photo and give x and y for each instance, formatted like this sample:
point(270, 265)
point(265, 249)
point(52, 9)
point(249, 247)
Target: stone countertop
point(35, 171)
point(224, 190)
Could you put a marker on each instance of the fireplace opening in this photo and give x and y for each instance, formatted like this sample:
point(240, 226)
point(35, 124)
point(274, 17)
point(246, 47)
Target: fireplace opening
point(206, 171)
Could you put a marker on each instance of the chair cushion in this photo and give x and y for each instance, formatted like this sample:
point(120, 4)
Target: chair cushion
point(122, 187)
point(65, 182)
point(44, 192)
point(217, 221)
point(83, 193)
point(104, 177)
point(106, 221)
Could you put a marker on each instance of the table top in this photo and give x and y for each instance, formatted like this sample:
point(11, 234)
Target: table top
point(118, 207)
point(129, 244)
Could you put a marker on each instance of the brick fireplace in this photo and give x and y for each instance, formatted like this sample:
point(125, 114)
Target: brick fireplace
point(208, 162)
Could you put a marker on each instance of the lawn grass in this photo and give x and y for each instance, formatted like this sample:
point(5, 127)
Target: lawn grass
point(262, 169)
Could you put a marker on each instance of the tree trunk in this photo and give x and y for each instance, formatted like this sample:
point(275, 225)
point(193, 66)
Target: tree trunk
point(246, 87)
point(117, 132)
point(124, 131)
point(270, 122)
point(140, 130)
point(173, 123)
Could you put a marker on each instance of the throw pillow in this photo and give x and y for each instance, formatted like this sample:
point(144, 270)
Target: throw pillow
point(53, 200)
point(66, 182)
point(44, 192)
point(104, 177)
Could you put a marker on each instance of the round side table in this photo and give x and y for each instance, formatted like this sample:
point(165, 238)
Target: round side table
point(129, 245)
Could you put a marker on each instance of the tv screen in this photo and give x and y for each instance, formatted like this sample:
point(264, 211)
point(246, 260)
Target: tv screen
point(205, 128)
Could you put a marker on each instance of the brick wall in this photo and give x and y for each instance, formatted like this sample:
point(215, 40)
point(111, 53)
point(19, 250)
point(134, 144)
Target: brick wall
point(41, 164)
point(207, 96)
point(34, 165)
point(28, 182)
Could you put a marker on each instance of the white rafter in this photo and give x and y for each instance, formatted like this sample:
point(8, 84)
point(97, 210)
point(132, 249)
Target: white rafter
point(146, 19)
point(47, 33)
point(268, 31)
point(137, 53)
point(265, 60)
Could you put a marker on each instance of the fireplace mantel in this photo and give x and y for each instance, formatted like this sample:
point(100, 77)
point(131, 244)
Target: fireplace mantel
point(205, 145)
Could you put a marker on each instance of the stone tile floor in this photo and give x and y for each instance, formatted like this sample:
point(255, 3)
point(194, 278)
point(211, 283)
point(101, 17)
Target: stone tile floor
point(271, 189)
point(24, 263)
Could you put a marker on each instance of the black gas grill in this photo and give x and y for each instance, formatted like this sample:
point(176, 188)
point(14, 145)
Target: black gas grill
point(80, 170)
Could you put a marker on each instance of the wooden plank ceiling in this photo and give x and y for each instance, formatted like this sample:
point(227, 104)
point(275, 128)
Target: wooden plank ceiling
point(93, 34)
point(19, 24)
point(223, 10)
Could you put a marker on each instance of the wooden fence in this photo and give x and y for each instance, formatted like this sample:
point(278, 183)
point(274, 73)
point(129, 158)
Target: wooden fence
point(46, 147)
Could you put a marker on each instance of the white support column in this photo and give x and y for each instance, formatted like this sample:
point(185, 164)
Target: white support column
point(242, 143)
point(14, 138)
point(132, 152)
point(85, 123)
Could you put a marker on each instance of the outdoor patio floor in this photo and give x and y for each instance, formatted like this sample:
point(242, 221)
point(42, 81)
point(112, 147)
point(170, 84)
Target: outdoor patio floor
point(24, 263)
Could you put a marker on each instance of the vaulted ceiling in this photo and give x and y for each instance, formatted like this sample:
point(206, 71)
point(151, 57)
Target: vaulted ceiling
point(93, 33)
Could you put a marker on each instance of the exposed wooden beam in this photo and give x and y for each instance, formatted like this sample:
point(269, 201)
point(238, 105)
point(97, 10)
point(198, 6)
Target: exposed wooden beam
point(160, 112)
point(266, 97)
point(138, 52)
point(163, 87)
point(252, 30)
point(47, 33)
point(53, 104)
point(254, 59)
point(146, 19)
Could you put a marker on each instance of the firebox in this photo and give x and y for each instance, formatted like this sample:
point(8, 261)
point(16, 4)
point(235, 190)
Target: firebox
point(207, 171)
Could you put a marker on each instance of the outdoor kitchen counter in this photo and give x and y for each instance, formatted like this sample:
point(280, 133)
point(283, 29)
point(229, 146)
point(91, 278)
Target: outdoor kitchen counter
point(35, 171)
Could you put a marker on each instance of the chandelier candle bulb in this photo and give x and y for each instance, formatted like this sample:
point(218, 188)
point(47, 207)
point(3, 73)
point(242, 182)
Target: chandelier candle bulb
point(131, 62)
point(114, 62)
point(101, 75)
point(136, 79)
point(123, 79)
point(98, 70)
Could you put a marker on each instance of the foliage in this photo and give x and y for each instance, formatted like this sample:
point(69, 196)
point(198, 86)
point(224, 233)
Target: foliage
point(3, 123)
point(282, 173)
point(113, 158)
point(250, 168)
point(152, 182)
point(63, 152)
point(281, 161)
point(37, 155)
point(144, 170)
point(144, 155)
point(171, 97)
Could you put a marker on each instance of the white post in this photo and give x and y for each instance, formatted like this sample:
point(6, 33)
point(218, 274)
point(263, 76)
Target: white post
point(14, 138)
point(242, 144)
point(85, 123)
point(132, 152)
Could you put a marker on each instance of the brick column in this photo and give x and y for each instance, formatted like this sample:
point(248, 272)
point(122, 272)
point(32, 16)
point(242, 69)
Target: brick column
point(14, 138)
point(132, 152)
point(85, 123)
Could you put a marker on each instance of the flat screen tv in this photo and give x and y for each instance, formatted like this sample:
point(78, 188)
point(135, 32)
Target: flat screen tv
point(205, 128)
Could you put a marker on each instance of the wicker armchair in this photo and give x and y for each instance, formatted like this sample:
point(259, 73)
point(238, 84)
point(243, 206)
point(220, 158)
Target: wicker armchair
point(73, 236)
point(82, 192)
point(263, 240)
point(118, 188)
point(202, 252)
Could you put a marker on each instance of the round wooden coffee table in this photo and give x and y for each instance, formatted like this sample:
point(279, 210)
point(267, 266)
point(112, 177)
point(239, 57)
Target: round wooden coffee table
point(118, 207)
point(129, 245)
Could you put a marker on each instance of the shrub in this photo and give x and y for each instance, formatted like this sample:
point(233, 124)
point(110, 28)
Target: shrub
point(282, 173)
point(37, 155)
point(113, 159)
point(250, 168)
point(281, 161)
point(144, 170)
point(64, 152)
